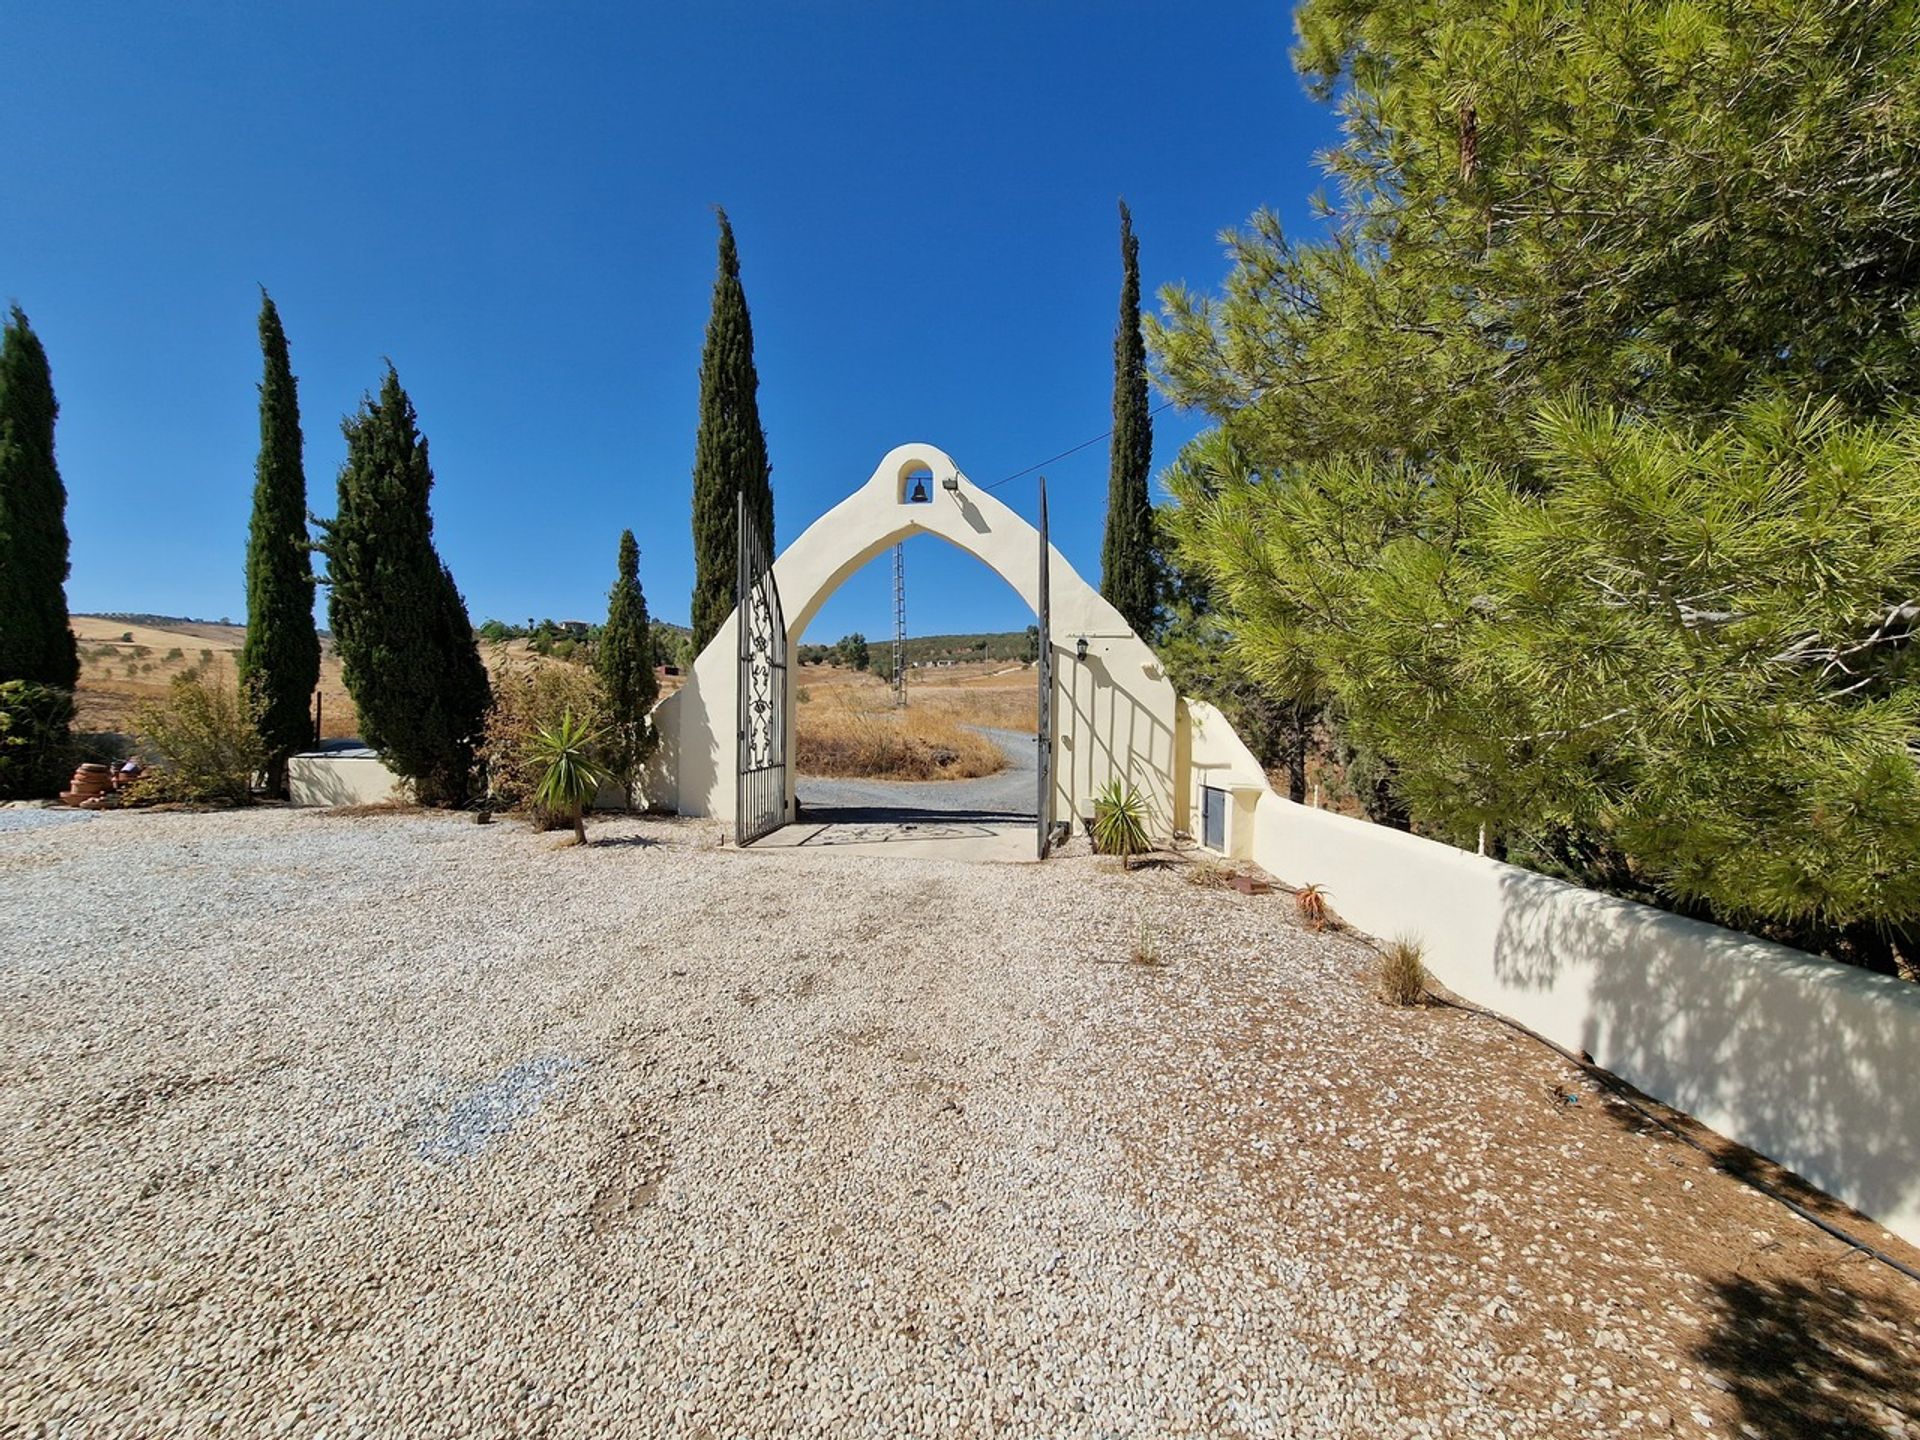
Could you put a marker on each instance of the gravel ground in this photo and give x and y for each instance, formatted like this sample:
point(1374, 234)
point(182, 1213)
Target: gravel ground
point(325, 1125)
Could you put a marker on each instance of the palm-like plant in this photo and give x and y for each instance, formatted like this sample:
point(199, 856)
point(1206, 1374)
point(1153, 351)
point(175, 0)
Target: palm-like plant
point(570, 774)
point(1120, 822)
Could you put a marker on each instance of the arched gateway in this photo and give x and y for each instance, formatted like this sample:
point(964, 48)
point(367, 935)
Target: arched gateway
point(1114, 712)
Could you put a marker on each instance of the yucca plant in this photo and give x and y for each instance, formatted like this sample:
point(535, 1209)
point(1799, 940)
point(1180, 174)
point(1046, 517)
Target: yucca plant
point(1120, 822)
point(570, 776)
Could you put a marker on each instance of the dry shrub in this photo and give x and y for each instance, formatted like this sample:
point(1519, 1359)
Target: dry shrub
point(918, 743)
point(1146, 944)
point(1210, 875)
point(202, 741)
point(525, 701)
point(1403, 974)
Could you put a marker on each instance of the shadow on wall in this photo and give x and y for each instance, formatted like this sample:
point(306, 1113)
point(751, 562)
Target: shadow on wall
point(1804, 1059)
point(1104, 732)
point(339, 780)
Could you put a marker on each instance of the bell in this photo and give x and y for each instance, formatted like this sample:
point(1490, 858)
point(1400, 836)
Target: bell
point(919, 496)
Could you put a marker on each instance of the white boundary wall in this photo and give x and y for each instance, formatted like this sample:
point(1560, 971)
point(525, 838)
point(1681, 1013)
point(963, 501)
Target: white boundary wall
point(1813, 1063)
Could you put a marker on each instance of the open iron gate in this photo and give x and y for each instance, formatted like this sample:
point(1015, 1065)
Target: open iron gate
point(760, 792)
point(1043, 739)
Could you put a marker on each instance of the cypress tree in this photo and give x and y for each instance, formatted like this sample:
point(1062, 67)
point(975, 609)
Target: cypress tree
point(1129, 570)
point(625, 665)
point(280, 661)
point(405, 642)
point(36, 642)
point(730, 451)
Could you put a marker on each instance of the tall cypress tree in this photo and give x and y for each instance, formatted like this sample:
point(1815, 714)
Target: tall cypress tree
point(730, 452)
point(36, 642)
point(625, 664)
point(280, 661)
point(401, 628)
point(1129, 569)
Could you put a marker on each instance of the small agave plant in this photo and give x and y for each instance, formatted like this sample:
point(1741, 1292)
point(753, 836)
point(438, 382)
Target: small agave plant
point(1120, 822)
point(570, 775)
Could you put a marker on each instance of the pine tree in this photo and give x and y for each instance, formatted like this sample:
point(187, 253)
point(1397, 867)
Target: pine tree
point(1129, 572)
point(36, 642)
point(730, 451)
point(280, 661)
point(406, 644)
point(625, 664)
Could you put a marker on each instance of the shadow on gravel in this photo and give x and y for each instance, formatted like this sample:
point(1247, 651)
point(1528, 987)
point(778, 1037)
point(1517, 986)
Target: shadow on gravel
point(1804, 1357)
point(618, 842)
point(905, 814)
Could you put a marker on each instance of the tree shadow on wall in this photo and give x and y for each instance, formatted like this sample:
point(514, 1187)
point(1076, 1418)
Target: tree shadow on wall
point(1792, 1054)
point(1802, 1357)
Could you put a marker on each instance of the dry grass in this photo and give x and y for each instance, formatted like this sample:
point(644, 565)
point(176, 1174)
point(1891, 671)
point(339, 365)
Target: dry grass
point(1403, 975)
point(1210, 875)
point(118, 675)
point(836, 738)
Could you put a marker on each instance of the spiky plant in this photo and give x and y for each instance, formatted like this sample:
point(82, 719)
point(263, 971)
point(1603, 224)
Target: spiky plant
point(1120, 822)
point(571, 774)
point(1311, 902)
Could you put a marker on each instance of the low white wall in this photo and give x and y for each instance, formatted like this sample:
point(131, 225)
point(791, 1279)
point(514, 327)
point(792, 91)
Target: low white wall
point(1806, 1060)
point(340, 780)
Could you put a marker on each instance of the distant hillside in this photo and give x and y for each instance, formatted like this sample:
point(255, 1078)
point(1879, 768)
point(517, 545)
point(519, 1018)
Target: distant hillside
point(1008, 645)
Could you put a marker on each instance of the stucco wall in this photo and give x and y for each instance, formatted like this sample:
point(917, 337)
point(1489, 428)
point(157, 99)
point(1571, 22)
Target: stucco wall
point(1803, 1059)
point(352, 779)
point(1115, 710)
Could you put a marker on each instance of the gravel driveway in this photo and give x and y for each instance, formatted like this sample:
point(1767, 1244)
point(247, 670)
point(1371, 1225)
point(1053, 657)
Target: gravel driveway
point(322, 1125)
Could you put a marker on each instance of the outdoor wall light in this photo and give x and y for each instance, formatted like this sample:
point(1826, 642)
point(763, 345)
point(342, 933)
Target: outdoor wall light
point(1080, 648)
point(952, 482)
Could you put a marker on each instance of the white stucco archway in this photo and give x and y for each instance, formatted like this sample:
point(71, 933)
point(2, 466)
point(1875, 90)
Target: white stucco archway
point(1115, 712)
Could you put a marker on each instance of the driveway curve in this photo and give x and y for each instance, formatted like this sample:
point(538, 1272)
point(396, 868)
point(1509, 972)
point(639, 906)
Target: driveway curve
point(1008, 794)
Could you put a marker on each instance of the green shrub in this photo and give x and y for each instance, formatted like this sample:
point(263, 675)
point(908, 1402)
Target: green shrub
point(35, 753)
point(524, 703)
point(1120, 821)
point(202, 744)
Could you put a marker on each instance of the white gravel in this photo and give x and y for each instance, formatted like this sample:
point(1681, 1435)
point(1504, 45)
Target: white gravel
point(391, 1125)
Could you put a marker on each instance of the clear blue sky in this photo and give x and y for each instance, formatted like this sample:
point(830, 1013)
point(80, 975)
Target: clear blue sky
point(514, 203)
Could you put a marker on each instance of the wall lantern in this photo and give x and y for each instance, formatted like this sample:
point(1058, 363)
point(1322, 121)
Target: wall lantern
point(1080, 648)
point(952, 482)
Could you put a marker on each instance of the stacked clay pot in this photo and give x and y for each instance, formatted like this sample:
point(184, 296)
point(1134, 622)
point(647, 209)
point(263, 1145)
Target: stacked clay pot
point(90, 782)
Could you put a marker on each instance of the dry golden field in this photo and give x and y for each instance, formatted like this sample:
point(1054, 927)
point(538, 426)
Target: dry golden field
point(123, 665)
point(848, 725)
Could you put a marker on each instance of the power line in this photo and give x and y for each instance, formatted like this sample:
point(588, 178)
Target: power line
point(1075, 450)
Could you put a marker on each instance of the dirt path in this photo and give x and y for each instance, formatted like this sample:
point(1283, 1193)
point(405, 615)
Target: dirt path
point(1009, 794)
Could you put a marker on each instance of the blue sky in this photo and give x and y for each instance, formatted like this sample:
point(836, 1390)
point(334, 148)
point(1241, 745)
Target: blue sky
point(514, 203)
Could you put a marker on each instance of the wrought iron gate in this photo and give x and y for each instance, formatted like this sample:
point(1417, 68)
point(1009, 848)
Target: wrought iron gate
point(760, 790)
point(1043, 740)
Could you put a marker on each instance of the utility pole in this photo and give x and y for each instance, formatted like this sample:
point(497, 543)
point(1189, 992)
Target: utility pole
point(900, 625)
